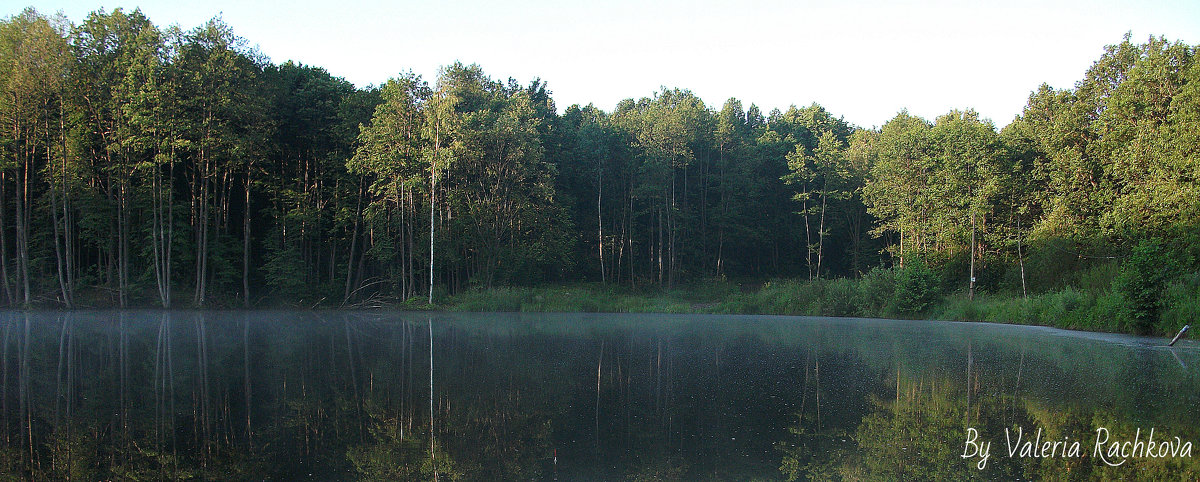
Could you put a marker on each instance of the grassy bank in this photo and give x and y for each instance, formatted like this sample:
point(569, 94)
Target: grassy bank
point(907, 294)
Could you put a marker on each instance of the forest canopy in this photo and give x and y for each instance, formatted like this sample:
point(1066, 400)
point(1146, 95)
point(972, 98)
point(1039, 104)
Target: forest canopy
point(148, 166)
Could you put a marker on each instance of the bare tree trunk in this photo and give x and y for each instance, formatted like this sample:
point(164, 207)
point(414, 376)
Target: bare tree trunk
point(58, 251)
point(200, 202)
point(808, 245)
point(22, 228)
point(246, 243)
point(437, 151)
point(156, 225)
point(821, 230)
point(671, 229)
point(1021, 260)
point(55, 188)
point(724, 216)
point(432, 191)
point(412, 265)
point(160, 239)
point(168, 241)
point(162, 228)
point(660, 245)
point(8, 291)
point(971, 286)
point(65, 259)
point(123, 243)
point(354, 244)
point(629, 236)
point(600, 217)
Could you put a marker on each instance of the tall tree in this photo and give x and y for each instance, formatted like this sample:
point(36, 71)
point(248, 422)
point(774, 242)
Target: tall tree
point(219, 81)
point(34, 59)
point(390, 151)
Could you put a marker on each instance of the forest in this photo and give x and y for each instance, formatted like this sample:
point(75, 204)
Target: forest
point(161, 167)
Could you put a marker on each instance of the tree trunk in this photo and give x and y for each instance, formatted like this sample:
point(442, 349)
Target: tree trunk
point(200, 203)
point(123, 243)
point(671, 228)
point(8, 292)
point(600, 217)
point(67, 255)
point(168, 241)
point(808, 244)
point(432, 191)
point(660, 245)
point(246, 246)
point(160, 228)
point(1021, 259)
point(971, 286)
point(22, 226)
point(58, 251)
point(821, 230)
point(354, 243)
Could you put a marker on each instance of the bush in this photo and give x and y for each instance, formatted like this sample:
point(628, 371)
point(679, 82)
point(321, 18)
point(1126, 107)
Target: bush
point(1142, 280)
point(916, 288)
point(877, 293)
point(1112, 313)
point(1180, 304)
point(840, 298)
point(1046, 262)
point(1099, 278)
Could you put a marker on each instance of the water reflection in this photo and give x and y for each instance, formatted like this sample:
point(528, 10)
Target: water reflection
point(331, 395)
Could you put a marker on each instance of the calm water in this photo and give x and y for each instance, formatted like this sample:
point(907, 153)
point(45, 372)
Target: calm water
point(335, 395)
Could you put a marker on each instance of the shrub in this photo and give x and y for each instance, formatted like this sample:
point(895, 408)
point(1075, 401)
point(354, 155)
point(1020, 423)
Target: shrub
point(916, 288)
point(1099, 278)
point(1045, 263)
point(840, 298)
point(877, 292)
point(1142, 280)
point(1112, 313)
point(1180, 304)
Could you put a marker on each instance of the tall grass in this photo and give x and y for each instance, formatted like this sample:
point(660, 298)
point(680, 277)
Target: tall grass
point(880, 293)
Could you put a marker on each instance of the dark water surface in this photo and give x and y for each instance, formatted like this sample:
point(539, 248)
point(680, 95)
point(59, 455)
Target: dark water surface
point(347, 395)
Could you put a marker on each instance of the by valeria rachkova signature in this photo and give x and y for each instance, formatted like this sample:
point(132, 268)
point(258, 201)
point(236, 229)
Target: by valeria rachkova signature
point(1108, 448)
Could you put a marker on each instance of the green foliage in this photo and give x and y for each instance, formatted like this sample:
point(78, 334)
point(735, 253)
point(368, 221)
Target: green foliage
point(1068, 308)
point(1180, 304)
point(284, 273)
point(155, 160)
point(1143, 279)
point(913, 439)
point(391, 456)
point(916, 288)
point(877, 292)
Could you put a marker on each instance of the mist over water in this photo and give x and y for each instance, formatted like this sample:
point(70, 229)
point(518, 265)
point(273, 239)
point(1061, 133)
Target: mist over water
point(347, 395)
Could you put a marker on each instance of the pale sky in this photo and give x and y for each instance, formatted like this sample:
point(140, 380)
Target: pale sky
point(864, 61)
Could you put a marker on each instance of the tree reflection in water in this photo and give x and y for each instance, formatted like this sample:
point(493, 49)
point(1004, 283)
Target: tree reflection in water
point(342, 396)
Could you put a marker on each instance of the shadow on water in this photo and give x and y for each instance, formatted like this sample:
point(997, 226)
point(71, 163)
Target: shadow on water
point(397, 396)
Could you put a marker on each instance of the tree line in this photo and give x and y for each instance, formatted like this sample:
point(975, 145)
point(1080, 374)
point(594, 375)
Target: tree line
point(148, 166)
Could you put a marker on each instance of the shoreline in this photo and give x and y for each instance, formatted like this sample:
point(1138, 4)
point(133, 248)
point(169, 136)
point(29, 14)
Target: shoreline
point(1067, 309)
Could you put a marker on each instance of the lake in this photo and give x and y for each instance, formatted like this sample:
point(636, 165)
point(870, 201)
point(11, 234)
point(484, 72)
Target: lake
point(351, 395)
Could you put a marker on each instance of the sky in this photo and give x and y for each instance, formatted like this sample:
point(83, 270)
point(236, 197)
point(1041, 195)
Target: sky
point(864, 61)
